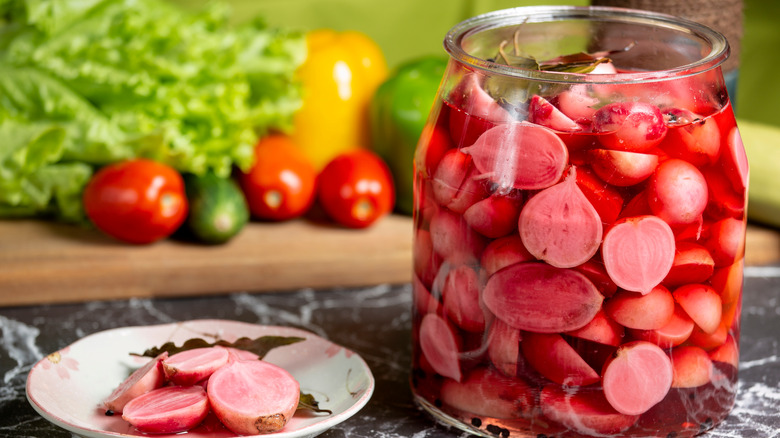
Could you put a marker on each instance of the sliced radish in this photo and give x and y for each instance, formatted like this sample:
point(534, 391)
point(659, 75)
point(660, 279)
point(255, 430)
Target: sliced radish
point(723, 200)
point(424, 302)
point(577, 104)
point(597, 273)
point(600, 329)
point(191, 366)
point(253, 397)
point(542, 112)
point(607, 201)
point(692, 264)
point(735, 162)
point(426, 261)
point(727, 241)
point(692, 367)
point(454, 240)
point(460, 297)
point(709, 341)
point(441, 345)
point(727, 282)
point(519, 155)
point(494, 216)
point(551, 356)
point(541, 298)
point(621, 168)
point(691, 137)
point(638, 252)
point(637, 377)
point(637, 206)
point(675, 332)
point(503, 252)
point(438, 142)
point(449, 175)
point(726, 353)
point(632, 126)
point(504, 347)
point(702, 304)
point(584, 410)
point(634, 310)
point(488, 393)
point(144, 379)
point(171, 409)
point(677, 192)
point(560, 226)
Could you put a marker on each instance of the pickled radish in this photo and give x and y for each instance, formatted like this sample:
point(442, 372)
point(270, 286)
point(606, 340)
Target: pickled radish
point(728, 352)
point(600, 329)
point(691, 366)
point(504, 347)
point(494, 216)
point(650, 311)
point(426, 261)
point(728, 282)
point(503, 252)
point(489, 393)
point(607, 201)
point(577, 104)
point(735, 162)
point(424, 302)
point(632, 126)
point(454, 240)
point(144, 379)
point(638, 252)
point(584, 410)
point(460, 295)
point(636, 377)
point(560, 226)
point(542, 112)
point(702, 304)
point(253, 397)
point(637, 206)
point(449, 175)
point(677, 192)
point(439, 143)
point(727, 241)
point(191, 366)
point(723, 200)
point(692, 264)
point(541, 298)
point(519, 155)
point(171, 409)
point(597, 273)
point(675, 332)
point(709, 341)
point(551, 356)
point(621, 168)
point(441, 344)
point(691, 137)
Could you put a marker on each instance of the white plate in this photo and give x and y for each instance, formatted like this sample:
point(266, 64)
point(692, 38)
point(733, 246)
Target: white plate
point(67, 386)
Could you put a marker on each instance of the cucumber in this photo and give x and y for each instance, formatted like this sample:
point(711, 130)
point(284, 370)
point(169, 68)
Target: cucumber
point(218, 209)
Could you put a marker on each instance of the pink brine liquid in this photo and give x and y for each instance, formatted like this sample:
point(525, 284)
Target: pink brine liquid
point(578, 259)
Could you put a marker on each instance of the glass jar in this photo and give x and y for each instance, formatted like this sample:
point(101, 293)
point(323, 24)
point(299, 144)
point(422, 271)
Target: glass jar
point(580, 198)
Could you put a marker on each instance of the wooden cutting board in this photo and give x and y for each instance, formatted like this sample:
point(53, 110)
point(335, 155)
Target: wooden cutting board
point(46, 262)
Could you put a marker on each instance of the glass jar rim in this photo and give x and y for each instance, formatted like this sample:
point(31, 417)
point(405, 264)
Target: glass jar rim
point(719, 47)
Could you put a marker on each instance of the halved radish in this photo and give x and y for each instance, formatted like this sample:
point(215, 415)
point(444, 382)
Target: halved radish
point(702, 304)
point(692, 367)
point(723, 200)
point(577, 104)
point(438, 142)
point(692, 264)
point(504, 347)
point(735, 162)
point(170, 409)
point(726, 353)
point(650, 311)
point(637, 206)
point(691, 137)
point(632, 126)
point(441, 345)
point(597, 273)
point(488, 393)
point(503, 252)
point(541, 298)
point(424, 302)
point(542, 112)
point(454, 240)
point(253, 397)
point(677, 192)
point(449, 175)
point(638, 252)
point(727, 282)
point(637, 377)
point(621, 168)
point(146, 378)
point(727, 241)
point(600, 329)
point(460, 298)
point(519, 155)
point(709, 341)
point(494, 216)
point(675, 332)
point(560, 226)
point(584, 410)
point(607, 201)
point(551, 356)
point(426, 261)
point(191, 366)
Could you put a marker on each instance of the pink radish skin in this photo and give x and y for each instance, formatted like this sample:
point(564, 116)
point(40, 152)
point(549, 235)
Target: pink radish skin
point(726, 353)
point(503, 252)
point(477, 102)
point(144, 379)
point(723, 200)
point(677, 192)
point(692, 367)
point(253, 397)
point(692, 264)
point(520, 155)
point(691, 137)
point(735, 162)
point(460, 295)
point(727, 282)
point(674, 333)
point(709, 341)
point(455, 185)
point(577, 104)
point(597, 273)
point(621, 168)
point(454, 240)
point(192, 366)
point(504, 347)
point(171, 409)
point(636, 206)
point(644, 312)
point(601, 329)
point(727, 241)
point(702, 304)
point(494, 216)
point(551, 356)
point(542, 112)
point(486, 392)
point(541, 298)
point(607, 201)
point(426, 262)
point(424, 302)
point(439, 142)
point(638, 252)
point(637, 377)
point(585, 411)
point(560, 226)
point(441, 344)
point(632, 126)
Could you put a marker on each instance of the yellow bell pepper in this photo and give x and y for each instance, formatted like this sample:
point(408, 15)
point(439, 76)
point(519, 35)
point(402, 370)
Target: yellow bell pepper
point(341, 72)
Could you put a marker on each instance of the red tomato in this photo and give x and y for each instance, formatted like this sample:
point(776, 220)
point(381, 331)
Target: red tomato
point(281, 184)
point(138, 201)
point(356, 188)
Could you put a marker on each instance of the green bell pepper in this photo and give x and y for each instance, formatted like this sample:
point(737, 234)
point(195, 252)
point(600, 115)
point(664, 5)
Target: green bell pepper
point(398, 113)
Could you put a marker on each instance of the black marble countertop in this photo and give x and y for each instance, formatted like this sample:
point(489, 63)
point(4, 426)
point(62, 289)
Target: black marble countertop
point(374, 322)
